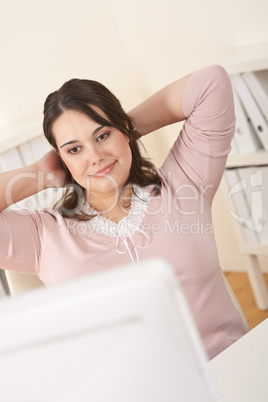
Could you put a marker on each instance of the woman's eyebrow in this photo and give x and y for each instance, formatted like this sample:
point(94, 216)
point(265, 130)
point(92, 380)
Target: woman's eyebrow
point(74, 141)
point(68, 143)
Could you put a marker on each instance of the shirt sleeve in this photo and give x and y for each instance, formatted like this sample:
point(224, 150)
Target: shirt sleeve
point(21, 234)
point(199, 154)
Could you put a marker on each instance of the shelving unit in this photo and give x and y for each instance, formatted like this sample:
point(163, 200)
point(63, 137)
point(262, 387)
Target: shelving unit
point(244, 60)
point(250, 253)
point(257, 158)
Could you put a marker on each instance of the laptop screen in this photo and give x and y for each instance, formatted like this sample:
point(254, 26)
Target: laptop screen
point(123, 335)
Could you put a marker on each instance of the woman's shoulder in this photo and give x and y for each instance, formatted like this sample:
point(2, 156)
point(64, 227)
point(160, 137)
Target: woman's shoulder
point(43, 217)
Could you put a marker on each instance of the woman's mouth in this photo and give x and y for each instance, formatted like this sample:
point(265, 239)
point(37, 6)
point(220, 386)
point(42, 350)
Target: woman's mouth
point(104, 171)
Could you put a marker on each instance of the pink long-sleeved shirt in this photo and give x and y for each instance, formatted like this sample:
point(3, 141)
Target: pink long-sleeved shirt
point(176, 225)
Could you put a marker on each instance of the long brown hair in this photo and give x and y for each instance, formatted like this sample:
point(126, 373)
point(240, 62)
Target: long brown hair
point(80, 94)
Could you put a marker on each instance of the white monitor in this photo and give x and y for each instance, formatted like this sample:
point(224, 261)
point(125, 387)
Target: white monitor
point(124, 335)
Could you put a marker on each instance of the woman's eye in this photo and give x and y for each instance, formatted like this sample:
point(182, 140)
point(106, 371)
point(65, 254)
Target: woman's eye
point(74, 150)
point(103, 136)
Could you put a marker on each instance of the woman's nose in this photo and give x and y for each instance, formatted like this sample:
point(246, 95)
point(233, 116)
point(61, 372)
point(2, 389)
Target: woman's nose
point(94, 154)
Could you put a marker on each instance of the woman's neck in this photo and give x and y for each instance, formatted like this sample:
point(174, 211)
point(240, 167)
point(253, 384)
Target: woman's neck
point(112, 206)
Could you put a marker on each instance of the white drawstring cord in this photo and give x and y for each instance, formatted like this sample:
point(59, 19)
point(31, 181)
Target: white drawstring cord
point(125, 241)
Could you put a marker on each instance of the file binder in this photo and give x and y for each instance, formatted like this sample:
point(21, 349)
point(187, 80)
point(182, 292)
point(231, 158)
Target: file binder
point(234, 147)
point(257, 119)
point(23, 155)
point(257, 82)
point(11, 160)
point(245, 136)
point(256, 193)
point(237, 199)
point(39, 146)
point(27, 154)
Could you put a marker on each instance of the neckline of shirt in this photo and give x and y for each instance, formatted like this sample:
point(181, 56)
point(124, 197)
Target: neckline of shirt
point(129, 224)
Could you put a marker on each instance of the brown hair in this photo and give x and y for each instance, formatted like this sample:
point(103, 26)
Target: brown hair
point(79, 94)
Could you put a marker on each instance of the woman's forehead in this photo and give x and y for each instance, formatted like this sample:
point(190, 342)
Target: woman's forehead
point(99, 111)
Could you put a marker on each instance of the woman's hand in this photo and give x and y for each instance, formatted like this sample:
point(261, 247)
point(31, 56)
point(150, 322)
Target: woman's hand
point(53, 169)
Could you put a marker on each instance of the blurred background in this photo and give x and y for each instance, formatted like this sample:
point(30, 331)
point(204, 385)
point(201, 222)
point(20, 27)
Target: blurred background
point(132, 47)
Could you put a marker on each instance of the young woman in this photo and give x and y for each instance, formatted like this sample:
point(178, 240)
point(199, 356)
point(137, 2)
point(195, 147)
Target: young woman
point(117, 207)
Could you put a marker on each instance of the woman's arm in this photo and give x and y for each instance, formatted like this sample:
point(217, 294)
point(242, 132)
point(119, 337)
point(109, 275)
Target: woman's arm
point(18, 184)
point(199, 153)
point(161, 109)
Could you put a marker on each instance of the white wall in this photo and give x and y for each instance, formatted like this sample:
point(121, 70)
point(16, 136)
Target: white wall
point(44, 43)
point(133, 47)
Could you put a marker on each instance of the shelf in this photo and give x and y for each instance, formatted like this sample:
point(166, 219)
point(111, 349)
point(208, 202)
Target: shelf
point(257, 158)
point(247, 58)
point(238, 61)
point(255, 249)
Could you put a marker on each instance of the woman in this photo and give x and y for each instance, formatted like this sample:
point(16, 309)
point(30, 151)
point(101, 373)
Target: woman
point(117, 207)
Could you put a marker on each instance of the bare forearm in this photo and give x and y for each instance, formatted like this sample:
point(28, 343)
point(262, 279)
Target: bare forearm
point(161, 109)
point(18, 184)
point(21, 183)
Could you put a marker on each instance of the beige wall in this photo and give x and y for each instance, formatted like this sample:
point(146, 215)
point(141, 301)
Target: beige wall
point(134, 47)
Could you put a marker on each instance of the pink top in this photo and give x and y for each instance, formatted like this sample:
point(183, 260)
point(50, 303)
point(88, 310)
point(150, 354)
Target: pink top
point(176, 225)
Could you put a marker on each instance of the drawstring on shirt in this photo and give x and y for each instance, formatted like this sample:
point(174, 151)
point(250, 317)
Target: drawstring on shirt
point(135, 259)
point(124, 230)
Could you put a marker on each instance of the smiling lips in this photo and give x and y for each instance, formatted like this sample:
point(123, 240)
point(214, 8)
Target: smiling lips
point(103, 172)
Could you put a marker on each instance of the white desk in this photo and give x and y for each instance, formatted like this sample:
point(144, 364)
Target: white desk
point(241, 371)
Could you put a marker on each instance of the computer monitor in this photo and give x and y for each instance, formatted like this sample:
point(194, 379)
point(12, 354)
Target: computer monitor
point(122, 335)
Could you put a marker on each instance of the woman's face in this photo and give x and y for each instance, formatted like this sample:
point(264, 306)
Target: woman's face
point(98, 157)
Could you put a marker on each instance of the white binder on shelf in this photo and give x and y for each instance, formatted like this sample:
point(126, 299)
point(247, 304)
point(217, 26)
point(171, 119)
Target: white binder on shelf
point(27, 154)
point(257, 82)
point(11, 160)
point(39, 146)
point(245, 135)
point(23, 155)
point(257, 119)
point(29, 203)
point(238, 205)
point(234, 147)
point(30, 152)
point(256, 193)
